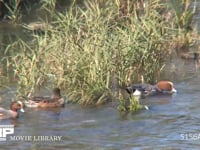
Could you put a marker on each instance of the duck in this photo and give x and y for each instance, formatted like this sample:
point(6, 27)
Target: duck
point(15, 106)
point(56, 100)
point(144, 89)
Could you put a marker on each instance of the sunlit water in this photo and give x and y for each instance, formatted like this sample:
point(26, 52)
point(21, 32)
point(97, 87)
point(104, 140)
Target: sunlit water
point(167, 125)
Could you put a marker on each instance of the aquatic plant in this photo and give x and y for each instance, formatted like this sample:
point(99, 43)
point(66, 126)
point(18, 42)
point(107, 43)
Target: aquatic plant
point(183, 20)
point(14, 13)
point(131, 104)
point(183, 13)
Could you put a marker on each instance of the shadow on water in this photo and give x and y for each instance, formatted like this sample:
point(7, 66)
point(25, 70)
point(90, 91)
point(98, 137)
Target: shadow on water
point(166, 125)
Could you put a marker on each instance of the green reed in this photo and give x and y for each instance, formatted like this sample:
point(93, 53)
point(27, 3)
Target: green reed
point(183, 20)
point(93, 49)
point(14, 13)
point(183, 13)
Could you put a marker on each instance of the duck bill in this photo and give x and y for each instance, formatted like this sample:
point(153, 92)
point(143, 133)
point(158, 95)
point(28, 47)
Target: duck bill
point(22, 110)
point(174, 90)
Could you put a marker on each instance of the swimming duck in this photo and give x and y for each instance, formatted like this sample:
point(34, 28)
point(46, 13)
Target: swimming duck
point(13, 112)
point(56, 100)
point(162, 87)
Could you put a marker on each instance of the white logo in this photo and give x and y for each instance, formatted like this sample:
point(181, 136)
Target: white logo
point(5, 130)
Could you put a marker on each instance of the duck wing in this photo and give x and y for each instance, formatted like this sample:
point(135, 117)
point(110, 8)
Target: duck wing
point(34, 101)
point(39, 99)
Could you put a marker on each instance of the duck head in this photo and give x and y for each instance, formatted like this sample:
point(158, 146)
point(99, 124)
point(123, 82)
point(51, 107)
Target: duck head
point(17, 105)
point(165, 87)
point(56, 93)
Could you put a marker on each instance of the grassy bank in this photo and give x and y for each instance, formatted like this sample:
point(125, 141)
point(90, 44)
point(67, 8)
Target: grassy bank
point(93, 49)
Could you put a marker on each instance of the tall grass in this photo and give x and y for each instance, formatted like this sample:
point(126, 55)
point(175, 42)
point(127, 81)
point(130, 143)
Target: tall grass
point(94, 49)
point(183, 16)
point(13, 10)
point(183, 13)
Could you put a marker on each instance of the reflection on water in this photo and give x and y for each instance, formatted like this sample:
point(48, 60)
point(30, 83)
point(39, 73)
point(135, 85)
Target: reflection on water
point(164, 126)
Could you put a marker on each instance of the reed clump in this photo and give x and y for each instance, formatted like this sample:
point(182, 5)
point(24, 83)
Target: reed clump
point(93, 49)
point(183, 12)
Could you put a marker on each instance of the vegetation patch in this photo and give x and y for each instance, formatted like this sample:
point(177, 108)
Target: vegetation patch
point(94, 48)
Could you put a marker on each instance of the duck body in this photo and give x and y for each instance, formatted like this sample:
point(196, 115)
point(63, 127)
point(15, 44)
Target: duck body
point(162, 87)
point(44, 102)
point(13, 111)
point(165, 87)
point(141, 89)
point(56, 100)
